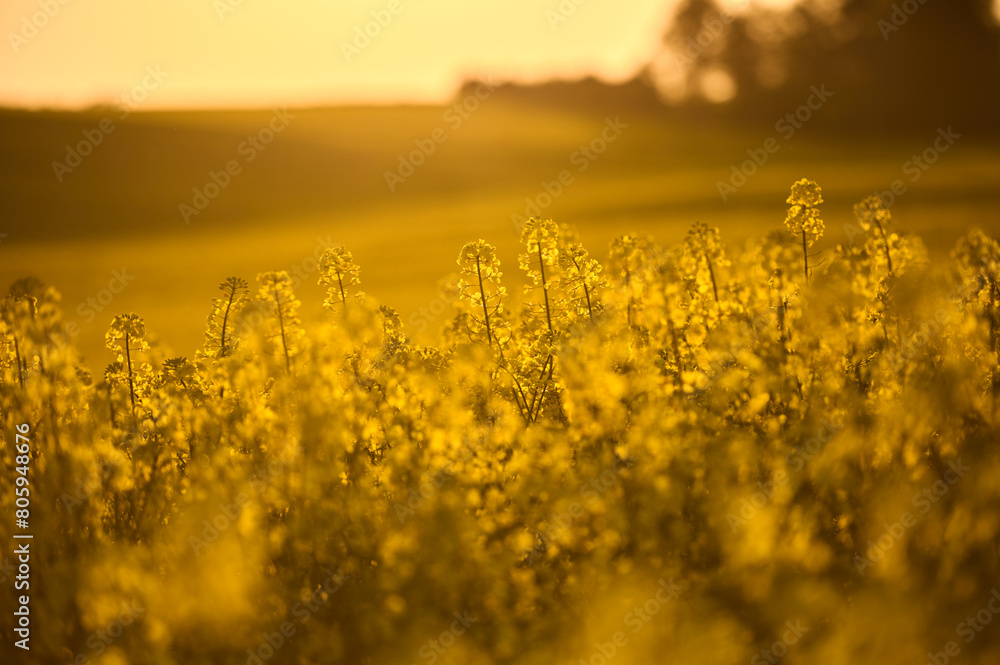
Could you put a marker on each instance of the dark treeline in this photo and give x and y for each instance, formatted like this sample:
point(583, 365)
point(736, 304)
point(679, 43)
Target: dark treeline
point(891, 64)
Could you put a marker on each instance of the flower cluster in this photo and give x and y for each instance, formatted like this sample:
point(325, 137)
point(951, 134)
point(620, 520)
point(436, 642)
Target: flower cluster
point(803, 218)
point(686, 437)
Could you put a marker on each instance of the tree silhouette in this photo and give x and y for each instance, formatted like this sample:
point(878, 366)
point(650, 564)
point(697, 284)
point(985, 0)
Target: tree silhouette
point(891, 64)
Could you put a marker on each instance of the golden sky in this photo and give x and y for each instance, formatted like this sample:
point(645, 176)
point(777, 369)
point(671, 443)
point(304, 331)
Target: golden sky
point(74, 53)
point(252, 52)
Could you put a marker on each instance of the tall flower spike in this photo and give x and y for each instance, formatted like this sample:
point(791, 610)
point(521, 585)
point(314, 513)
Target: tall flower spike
point(220, 333)
point(803, 218)
point(337, 273)
point(872, 213)
point(17, 312)
point(540, 238)
point(277, 295)
point(583, 279)
point(479, 285)
point(627, 261)
point(392, 330)
point(181, 371)
point(127, 334)
point(704, 248)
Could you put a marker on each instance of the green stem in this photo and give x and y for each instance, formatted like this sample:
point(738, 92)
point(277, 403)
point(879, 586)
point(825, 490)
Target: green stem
point(131, 386)
point(711, 273)
point(885, 241)
point(805, 256)
point(486, 311)
point(225, 322)
point(17, 359)
point(343, 295)
point(628, 281)
point(586, 291)
point(545, 286)
point(281, 327)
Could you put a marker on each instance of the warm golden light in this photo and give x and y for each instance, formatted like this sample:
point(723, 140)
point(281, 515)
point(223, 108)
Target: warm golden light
point(495, 332)
point(300, 52)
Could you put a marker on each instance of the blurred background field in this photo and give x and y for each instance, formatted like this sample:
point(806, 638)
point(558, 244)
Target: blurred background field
point(698, 83)
point(324, 178)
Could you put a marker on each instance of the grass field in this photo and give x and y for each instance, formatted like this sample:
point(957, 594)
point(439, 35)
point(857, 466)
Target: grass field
point(323, 177)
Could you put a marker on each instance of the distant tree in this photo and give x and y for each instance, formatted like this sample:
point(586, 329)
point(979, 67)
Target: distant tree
point(889, 63)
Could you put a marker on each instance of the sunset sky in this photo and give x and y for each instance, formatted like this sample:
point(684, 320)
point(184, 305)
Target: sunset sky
point(211, 53)
point(258, 52)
